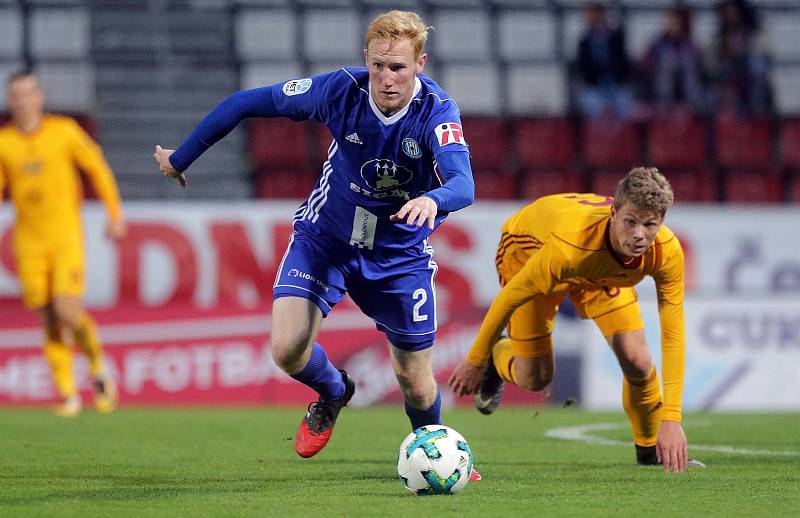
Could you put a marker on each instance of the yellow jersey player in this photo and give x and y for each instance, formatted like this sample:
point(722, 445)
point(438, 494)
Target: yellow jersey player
point(593, 249)
point(39, 154)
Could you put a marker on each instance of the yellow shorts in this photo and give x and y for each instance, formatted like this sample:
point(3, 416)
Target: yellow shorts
point(614, 310)
point(47, 271)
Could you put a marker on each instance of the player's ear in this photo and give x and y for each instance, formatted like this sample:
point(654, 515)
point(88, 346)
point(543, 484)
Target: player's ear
point(421, 60)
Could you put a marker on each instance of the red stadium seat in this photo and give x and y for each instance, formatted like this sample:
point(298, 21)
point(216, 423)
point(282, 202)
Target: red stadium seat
point(604, 182)
point(698, 185)
point(544, 143)
point(611, 145)
point(790, 144)
point(294, 184)
point(677, 142)
point(743, 143)
point(535, 184)
point(753, 187)
point(488, 141)
point(279, 143)
point(794, 188)
point(494, 185)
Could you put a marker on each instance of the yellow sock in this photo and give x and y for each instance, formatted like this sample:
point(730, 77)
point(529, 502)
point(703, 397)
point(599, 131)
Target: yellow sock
point(60, 357)
point(641, 399)
point(88, 339)
point(503, 358)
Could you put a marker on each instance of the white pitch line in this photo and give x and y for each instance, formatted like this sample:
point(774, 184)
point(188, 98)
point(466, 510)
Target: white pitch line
point(580, 433)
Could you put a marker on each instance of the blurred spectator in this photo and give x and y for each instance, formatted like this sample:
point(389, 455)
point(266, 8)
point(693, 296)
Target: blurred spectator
point(603, 68)
point(739, 61)
point(672, 69)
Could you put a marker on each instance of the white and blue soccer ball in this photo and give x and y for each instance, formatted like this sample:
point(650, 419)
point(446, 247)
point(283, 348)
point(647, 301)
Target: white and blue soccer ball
point(434, 460)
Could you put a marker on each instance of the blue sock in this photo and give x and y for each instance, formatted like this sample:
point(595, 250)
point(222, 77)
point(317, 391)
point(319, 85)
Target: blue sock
point(320, 374)
point(432, 415)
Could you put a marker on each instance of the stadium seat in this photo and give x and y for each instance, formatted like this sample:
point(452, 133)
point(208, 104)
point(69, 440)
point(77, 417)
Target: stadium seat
point(790, 144)
point(786, 86)
point(743, 143)
point(294, 184)
point(752, 186)
point(793, 187)
point(253, 24)
point(60, 33)
point(11, 29)
point(537, 89)
point(332, 34)
point(278, 143)
point(699, 185)
point(783, 38)
point(462, 34)
point(494, 184)
point(544, 143)
point(535, 184)
point(528, 34)
point(476, 86)
point(676, 142)
point(488, 141)
point(610, 145)
point(604, 182)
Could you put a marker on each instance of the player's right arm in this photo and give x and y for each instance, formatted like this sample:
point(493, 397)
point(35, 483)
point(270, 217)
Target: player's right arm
point(270, 101)
point(542, 272)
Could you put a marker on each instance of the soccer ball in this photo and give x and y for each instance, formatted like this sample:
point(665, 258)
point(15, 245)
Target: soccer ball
point(434, 460)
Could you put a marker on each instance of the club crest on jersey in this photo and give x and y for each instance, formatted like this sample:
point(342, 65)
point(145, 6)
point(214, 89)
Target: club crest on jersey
point(383, 175)
point(449, 133)
point(297, 86)
point(411, 148)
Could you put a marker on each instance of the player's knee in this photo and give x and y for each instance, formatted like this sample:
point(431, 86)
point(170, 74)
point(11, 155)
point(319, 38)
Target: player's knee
point(637, 364)
point(533, 382)
point(287, 353)
point(419, 393)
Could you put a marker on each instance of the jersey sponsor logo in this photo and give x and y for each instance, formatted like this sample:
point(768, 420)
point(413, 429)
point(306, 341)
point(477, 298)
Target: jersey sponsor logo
point(297, 86)
point(364, 225)
point(411, 148)
point(449, 133)
point(383, 175)
point(353, 137)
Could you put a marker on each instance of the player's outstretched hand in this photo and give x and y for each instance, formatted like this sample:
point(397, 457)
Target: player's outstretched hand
point(671, 447)
point(466, 378)
point(419, 210)
point(116, 230)
point(162, 157)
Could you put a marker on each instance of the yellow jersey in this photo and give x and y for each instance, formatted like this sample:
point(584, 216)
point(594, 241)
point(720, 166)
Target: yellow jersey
point(40, 169)
point(568, 236)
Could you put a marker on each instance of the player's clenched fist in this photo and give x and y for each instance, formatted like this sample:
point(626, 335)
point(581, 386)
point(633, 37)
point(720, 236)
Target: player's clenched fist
point(466, 378)
point(162, 157)
point(418, 211)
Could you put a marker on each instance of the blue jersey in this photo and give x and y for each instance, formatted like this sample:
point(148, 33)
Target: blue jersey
point(375, 163)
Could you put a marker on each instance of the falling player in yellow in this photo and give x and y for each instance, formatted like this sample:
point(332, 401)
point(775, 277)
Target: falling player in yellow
point(38, 158)
point(593, 249)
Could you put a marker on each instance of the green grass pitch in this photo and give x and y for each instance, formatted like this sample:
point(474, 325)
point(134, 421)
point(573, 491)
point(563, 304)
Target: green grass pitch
point(240, 462)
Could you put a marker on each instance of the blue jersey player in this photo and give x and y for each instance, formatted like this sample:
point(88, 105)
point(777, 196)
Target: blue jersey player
point(398, 164)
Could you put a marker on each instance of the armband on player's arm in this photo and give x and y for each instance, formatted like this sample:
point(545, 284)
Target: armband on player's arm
point(458, 190)
point(221, 121)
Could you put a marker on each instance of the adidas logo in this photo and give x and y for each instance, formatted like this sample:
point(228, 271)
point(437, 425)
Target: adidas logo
point(353, 137)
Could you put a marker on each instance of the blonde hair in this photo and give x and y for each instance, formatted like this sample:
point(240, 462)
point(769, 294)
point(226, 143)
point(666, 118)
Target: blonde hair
point(646, 189)
point(394, 25)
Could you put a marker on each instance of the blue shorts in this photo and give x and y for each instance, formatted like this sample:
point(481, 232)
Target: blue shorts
point(394, 287)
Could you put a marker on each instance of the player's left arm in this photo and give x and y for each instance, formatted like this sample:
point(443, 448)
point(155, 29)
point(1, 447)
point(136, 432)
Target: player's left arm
point(672, 445)
point(444, 137)
point(457, 192)
point(86, 153)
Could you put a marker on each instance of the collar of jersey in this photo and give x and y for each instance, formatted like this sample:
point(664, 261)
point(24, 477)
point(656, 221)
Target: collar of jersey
point(397, 116)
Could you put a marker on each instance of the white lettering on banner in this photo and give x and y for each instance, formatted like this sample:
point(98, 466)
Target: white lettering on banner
point(26, 377)
point(177, 368)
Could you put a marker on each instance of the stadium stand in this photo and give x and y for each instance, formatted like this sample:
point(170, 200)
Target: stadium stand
point(132, 69)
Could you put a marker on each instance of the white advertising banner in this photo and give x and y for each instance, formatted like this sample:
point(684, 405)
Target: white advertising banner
point(742, 353)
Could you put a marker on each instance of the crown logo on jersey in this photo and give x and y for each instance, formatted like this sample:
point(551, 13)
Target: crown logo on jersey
point(382, 174)
point(353, 137)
